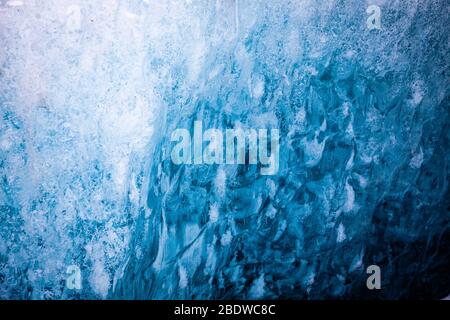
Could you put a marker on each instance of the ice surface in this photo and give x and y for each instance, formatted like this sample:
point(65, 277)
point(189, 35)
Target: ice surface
point(90, 92)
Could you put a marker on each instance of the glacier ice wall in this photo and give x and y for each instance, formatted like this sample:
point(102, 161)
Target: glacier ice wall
point(90, 92)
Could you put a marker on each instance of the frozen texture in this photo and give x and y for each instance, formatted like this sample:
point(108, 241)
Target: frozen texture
point(88, 106)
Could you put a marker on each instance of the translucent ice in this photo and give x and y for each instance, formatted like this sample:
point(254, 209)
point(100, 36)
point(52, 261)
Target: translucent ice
point(90, 92)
